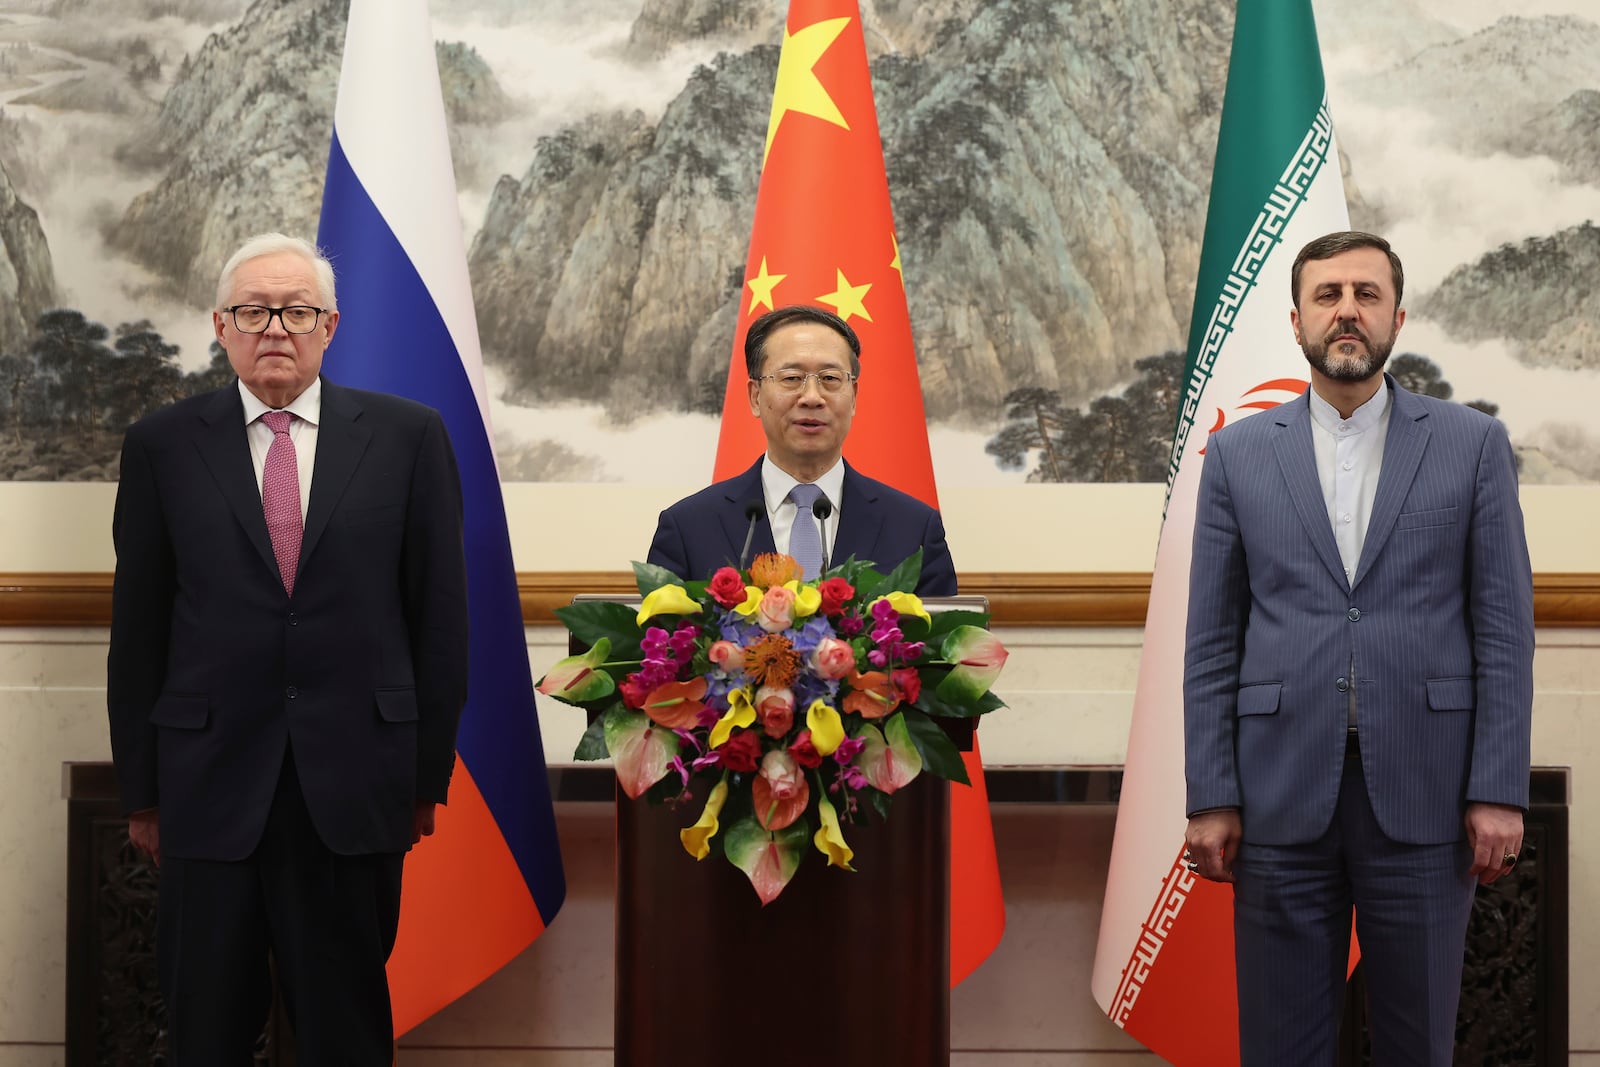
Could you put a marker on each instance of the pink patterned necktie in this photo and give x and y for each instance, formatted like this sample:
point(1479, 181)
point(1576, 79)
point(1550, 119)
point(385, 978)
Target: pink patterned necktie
point(280, 497)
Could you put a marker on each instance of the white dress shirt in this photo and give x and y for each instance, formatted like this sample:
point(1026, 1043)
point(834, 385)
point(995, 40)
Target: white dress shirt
point(307, 409)
point(1349, 458)
point(775, 486)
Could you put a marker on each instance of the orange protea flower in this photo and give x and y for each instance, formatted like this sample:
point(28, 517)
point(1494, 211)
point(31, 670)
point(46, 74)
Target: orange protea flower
point(773, 568)
point(772, 661)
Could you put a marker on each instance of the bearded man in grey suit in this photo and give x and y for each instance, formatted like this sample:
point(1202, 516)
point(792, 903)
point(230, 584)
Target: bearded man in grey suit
point(1358, 678)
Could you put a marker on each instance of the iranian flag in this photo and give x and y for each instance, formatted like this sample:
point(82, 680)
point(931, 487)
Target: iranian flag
point(1163, 970)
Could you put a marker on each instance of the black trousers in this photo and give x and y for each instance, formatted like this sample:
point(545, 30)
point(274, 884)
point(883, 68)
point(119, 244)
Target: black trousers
point(329, 922)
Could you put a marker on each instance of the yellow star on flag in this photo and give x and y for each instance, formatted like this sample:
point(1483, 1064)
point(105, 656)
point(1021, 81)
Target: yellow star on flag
point(848, 299)
point(798, 88)
point(895, 262)
point(761, 287)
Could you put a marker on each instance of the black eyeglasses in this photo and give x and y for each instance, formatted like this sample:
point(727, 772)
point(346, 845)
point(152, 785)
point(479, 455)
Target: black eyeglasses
point(253, 318)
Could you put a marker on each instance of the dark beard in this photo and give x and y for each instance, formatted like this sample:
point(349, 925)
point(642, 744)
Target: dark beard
point(1350, 368)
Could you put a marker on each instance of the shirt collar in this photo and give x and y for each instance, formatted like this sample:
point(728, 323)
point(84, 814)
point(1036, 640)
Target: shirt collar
point(776, 483)
point(1361, 419)
point(307, 406)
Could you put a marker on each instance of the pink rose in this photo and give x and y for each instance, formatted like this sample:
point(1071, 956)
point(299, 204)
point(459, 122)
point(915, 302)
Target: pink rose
point(776, 610)
point(782, 773)
point(727, 656)
point(779, 793)
point(775, 710)
point(832, 658)
point(727, 588)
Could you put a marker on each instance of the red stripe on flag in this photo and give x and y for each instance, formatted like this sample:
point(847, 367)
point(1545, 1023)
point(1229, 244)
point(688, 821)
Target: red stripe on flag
point(443, 949)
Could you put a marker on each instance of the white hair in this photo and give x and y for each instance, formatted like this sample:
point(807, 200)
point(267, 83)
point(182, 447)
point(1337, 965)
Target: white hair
point(267, 244)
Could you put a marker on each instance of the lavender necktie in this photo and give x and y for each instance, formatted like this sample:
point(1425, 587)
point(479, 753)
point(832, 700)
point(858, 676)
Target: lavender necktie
point(805, 541)
point(280, 497)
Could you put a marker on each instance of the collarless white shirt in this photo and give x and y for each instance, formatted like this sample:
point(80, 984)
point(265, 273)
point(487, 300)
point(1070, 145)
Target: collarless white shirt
point(1349, 456)
point(307, 409)
point(775, 485)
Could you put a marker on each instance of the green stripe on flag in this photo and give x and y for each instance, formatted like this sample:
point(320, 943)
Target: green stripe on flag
point(1275, 136)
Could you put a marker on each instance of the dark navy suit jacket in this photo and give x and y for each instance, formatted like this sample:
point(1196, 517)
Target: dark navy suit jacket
point(705, 531)
point(1438, 620)
point(214, 670)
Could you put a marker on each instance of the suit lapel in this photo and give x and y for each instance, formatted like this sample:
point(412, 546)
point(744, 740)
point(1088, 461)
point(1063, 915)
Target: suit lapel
point(1402, 456)
point(340, 444)
point(1298, 461)
point(743, 490)
point(225, 450)
point(860, 518)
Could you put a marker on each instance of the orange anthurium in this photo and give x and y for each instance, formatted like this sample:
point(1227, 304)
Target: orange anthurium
point(871, 695)
point(676, 705)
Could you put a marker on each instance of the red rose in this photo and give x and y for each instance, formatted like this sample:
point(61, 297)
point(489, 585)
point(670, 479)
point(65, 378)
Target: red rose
point(742, 751)
point(727, 588)
point(635, 688)
point(836, 593)
point(804, 752)
point(908, 682)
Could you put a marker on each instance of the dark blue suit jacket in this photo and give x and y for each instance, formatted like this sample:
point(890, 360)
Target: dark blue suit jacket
point(703, 532)
point(1438, 620)
point(214, 670)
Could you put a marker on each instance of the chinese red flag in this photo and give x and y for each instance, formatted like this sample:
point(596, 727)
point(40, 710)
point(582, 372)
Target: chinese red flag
point(824, 235)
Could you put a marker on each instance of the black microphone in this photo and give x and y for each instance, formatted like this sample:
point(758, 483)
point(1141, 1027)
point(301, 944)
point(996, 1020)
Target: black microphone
point(822, 510)
point(752, 511)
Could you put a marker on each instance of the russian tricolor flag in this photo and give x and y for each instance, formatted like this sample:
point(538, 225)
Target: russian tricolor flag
point(489, 881)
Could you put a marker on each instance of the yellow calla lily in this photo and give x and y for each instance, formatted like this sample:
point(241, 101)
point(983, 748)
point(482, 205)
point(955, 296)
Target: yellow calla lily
point(667, 600)
point(827, 729)
point(908, 604)
point(830, 839)
point(806, 599)
point(741, 712)
point(752, 600)
point(697, 838)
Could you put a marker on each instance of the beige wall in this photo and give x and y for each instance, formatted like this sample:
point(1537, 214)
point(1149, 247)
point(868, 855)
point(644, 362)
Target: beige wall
point(1071, 693)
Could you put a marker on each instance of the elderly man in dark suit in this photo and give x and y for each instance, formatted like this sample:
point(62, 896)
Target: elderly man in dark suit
point(802, 498)
point(287, 666)
point(1358, 681)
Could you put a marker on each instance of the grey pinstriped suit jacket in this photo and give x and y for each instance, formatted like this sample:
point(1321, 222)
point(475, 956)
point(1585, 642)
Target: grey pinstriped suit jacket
point(1439, 620)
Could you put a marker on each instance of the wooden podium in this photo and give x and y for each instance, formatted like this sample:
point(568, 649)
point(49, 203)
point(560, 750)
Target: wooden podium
point(846, 969)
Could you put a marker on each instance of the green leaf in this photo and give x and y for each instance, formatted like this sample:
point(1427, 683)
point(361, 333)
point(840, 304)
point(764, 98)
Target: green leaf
point(946, 621)
point(903, 579)
point(650, 577)
point(880, 802)
point(858, 572)
point(594, 620)
point(592, 745)
point(939, 754)
point(768, 858)
point(937, 698)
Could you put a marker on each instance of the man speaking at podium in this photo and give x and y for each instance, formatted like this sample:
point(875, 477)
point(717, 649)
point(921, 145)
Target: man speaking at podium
point(802, 498)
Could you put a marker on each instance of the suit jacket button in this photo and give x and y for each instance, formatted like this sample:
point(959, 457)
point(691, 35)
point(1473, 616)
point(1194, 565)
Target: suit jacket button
point(293, 620)
point(1354, 614)
point(1342, 685)
point(292, 692)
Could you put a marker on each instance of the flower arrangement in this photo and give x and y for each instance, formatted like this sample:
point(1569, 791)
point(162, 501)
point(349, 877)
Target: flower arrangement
point(790, 706)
